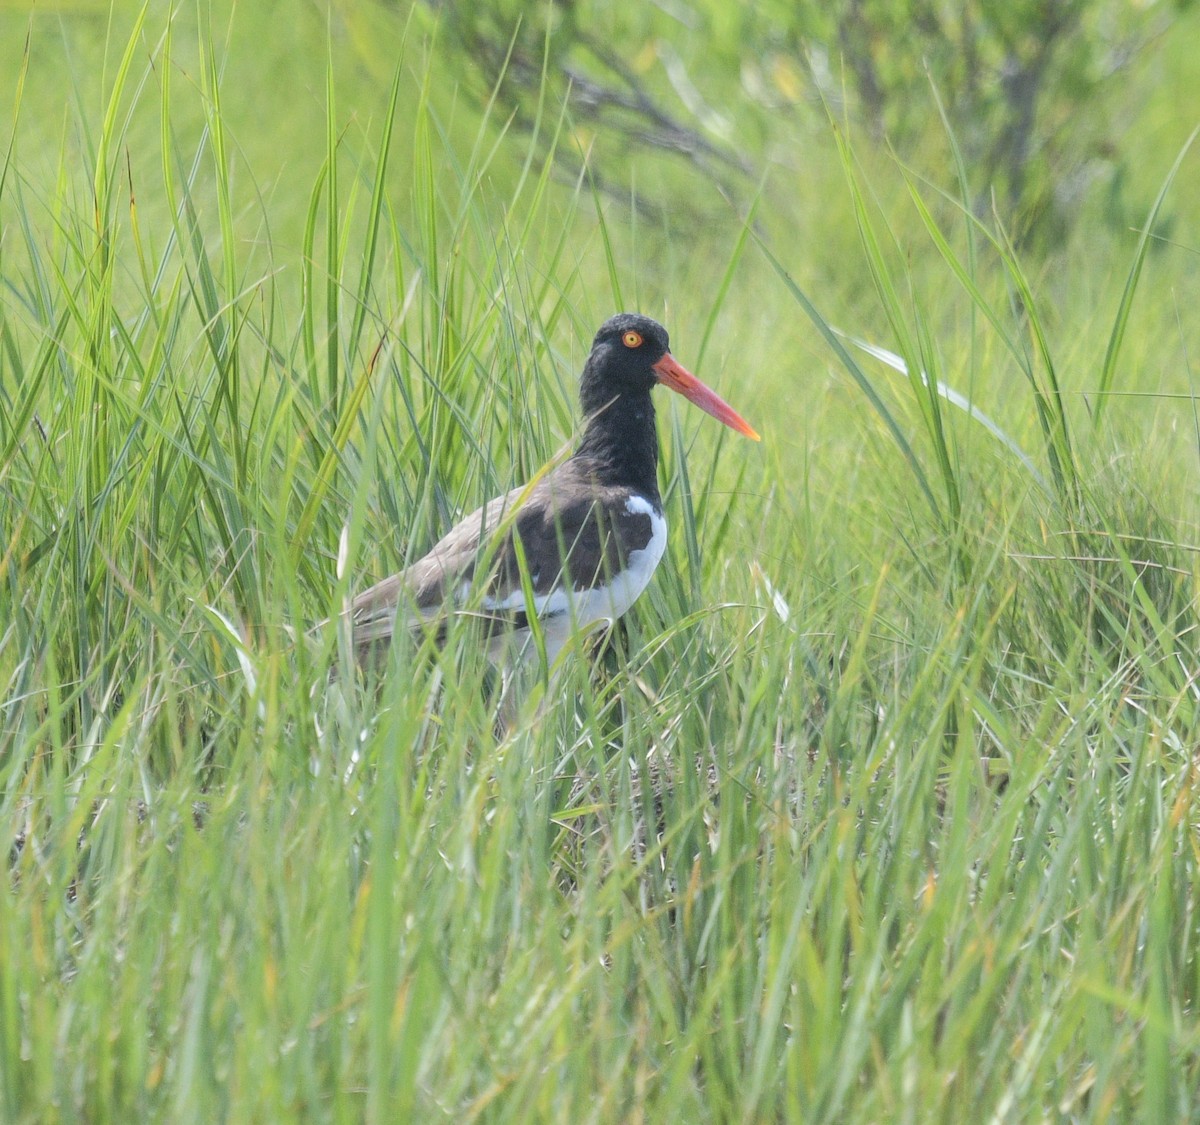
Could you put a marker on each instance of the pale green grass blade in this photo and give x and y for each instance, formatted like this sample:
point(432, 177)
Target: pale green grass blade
point(1121, 321)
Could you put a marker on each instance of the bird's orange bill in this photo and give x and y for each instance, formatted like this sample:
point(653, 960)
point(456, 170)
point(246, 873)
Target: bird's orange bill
point(671, 373)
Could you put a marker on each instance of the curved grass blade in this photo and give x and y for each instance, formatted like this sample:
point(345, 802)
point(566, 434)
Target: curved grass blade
point(1108, 371)
point(955, 398)
point(856, 373)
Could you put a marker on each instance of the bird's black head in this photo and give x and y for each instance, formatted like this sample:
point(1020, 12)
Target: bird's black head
point(623, 356)
point(630, 354)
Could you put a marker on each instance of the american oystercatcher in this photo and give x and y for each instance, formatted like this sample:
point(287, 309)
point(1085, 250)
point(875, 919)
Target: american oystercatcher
point(577, 547)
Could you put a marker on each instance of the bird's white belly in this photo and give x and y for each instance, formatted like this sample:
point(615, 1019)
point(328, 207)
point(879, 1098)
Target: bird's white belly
point(563, 611)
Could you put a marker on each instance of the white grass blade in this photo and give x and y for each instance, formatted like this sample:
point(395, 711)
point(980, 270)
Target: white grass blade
point(896, 363)
point(244, 656)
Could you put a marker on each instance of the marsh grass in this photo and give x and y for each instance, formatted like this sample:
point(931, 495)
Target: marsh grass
point(880, 805)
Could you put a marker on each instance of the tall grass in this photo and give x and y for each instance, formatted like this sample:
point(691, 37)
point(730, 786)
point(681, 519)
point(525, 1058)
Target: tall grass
point(878, 806)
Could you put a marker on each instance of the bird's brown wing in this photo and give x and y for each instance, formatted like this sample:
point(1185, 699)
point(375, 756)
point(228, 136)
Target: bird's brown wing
point(422, 590)
point(569, 533)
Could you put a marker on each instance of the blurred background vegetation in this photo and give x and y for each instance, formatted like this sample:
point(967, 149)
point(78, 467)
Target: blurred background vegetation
point(1036, 96)
point(1054, 107)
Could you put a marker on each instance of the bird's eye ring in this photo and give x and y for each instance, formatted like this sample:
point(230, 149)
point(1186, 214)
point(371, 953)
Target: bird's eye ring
point(632, 339)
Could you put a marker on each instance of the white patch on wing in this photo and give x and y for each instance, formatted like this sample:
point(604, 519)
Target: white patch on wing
point(611, 601)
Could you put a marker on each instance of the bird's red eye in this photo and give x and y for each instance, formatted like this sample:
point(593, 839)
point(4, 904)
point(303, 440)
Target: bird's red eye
point(632, 339)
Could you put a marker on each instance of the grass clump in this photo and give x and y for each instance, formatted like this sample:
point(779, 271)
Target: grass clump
point(880, 803)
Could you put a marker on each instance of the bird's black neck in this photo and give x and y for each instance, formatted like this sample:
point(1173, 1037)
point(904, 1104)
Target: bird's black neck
point(621, 442)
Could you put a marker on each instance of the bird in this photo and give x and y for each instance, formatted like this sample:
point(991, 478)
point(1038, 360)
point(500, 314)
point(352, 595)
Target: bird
point(576, 547)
